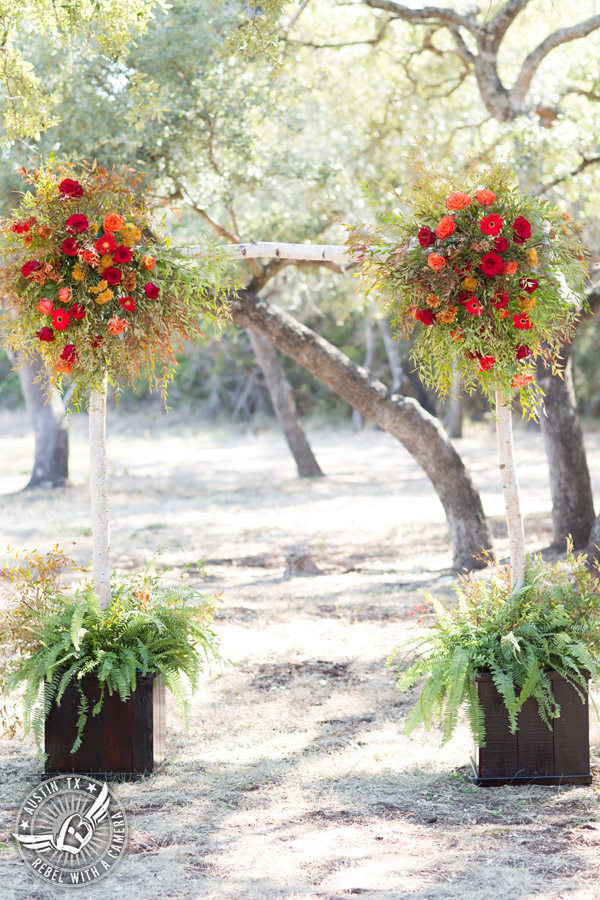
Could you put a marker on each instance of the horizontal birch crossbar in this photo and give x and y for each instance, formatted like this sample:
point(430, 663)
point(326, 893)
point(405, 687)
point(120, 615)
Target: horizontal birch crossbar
point(338, 253)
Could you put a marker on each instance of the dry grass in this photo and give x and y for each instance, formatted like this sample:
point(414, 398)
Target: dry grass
point(295, 781)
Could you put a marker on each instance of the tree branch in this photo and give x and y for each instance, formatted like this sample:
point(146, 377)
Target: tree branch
point(503, 19)
point(587, 161)
point(535, 58)
point(445, 16)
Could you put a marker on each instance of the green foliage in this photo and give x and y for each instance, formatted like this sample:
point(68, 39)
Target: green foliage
point(551, 624)
point(484, 322)
point(53, 639)
point(28, 106)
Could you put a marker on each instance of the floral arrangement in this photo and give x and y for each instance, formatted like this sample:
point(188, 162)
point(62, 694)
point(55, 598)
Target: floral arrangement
point(486, 278)
point(91, 284)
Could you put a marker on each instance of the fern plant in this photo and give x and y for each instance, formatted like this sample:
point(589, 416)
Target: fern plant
point(550, 624)
point(52, 639)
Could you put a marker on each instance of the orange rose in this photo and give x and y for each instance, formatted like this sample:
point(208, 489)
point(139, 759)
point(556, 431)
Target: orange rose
point(148, 262)
point(521, 380)
point(89, 256)
point(485, 197)
point(112, 222)
point(510, 268)
point(458, 200)
point(436, 262)
point(116, 325)
point(504, 313)
point(61, 365)
point(64, 295)
point(445, 227)
point(456, 334)
point(45, 306)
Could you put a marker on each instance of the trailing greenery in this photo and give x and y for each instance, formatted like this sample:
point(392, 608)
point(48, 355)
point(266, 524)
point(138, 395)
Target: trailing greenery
point(52, 640)
point(551, 624)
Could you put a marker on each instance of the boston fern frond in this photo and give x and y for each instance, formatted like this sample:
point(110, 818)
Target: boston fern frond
point(551, 624)
point(148, 628)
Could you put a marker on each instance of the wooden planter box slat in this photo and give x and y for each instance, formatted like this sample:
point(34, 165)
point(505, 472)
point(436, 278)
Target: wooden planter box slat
point(534, 754)
point(124, 739)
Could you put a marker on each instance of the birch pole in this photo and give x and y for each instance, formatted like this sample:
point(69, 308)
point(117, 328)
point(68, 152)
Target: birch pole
point(99, 494)
point(337, 253)
point(510, 488)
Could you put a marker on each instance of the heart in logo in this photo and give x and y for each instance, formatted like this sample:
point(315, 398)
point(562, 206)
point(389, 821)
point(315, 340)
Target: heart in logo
point(74, 834)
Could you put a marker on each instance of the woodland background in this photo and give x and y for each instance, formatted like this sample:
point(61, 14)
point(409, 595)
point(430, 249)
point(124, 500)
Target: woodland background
point(267, 124)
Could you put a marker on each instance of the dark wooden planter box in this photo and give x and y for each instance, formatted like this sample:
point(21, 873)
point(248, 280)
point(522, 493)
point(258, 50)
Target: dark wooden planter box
point(124, 739)
point(534, 754)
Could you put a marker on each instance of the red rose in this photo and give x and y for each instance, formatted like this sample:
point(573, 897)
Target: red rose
point(96, 341)
point(70, 247)
point(425, 316)
point(522, 322)
point(521, 230)
point(77, 223)
point(70, 188)
point(464, 296)
point(151, 289)
point(60, 319)
point(500, 244)
point(491, 264)
point(105, 244)
point(426, 237)
point(112, 275)
point(491, 224)
point(486, 362)
point(45, 334)
point(77, 311)
point(523, 351)
point(29, 267)
point(122, 254)
point(500, 299)
point(474, 307)
point(528, 284)
point(69, 353)
point(128, 303)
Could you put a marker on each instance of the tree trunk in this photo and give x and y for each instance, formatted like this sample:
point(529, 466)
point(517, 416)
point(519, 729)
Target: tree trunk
point(510, 488)
point(49, 421)
point(357, 419)
point(453, 418)
point(99, 495)
point(391, 348)
point(570, 485)
point(284, 405)
point(421, 434)
point(593, 548)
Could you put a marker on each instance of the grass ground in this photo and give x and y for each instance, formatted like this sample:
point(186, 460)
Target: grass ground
point(295, 781)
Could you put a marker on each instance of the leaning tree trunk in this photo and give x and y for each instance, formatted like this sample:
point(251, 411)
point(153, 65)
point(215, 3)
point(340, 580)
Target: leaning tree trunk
point(49, 421)
point(570, 485)
point(99, 494)
point(284, 405)
point(421, 434)
point(510, 489)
